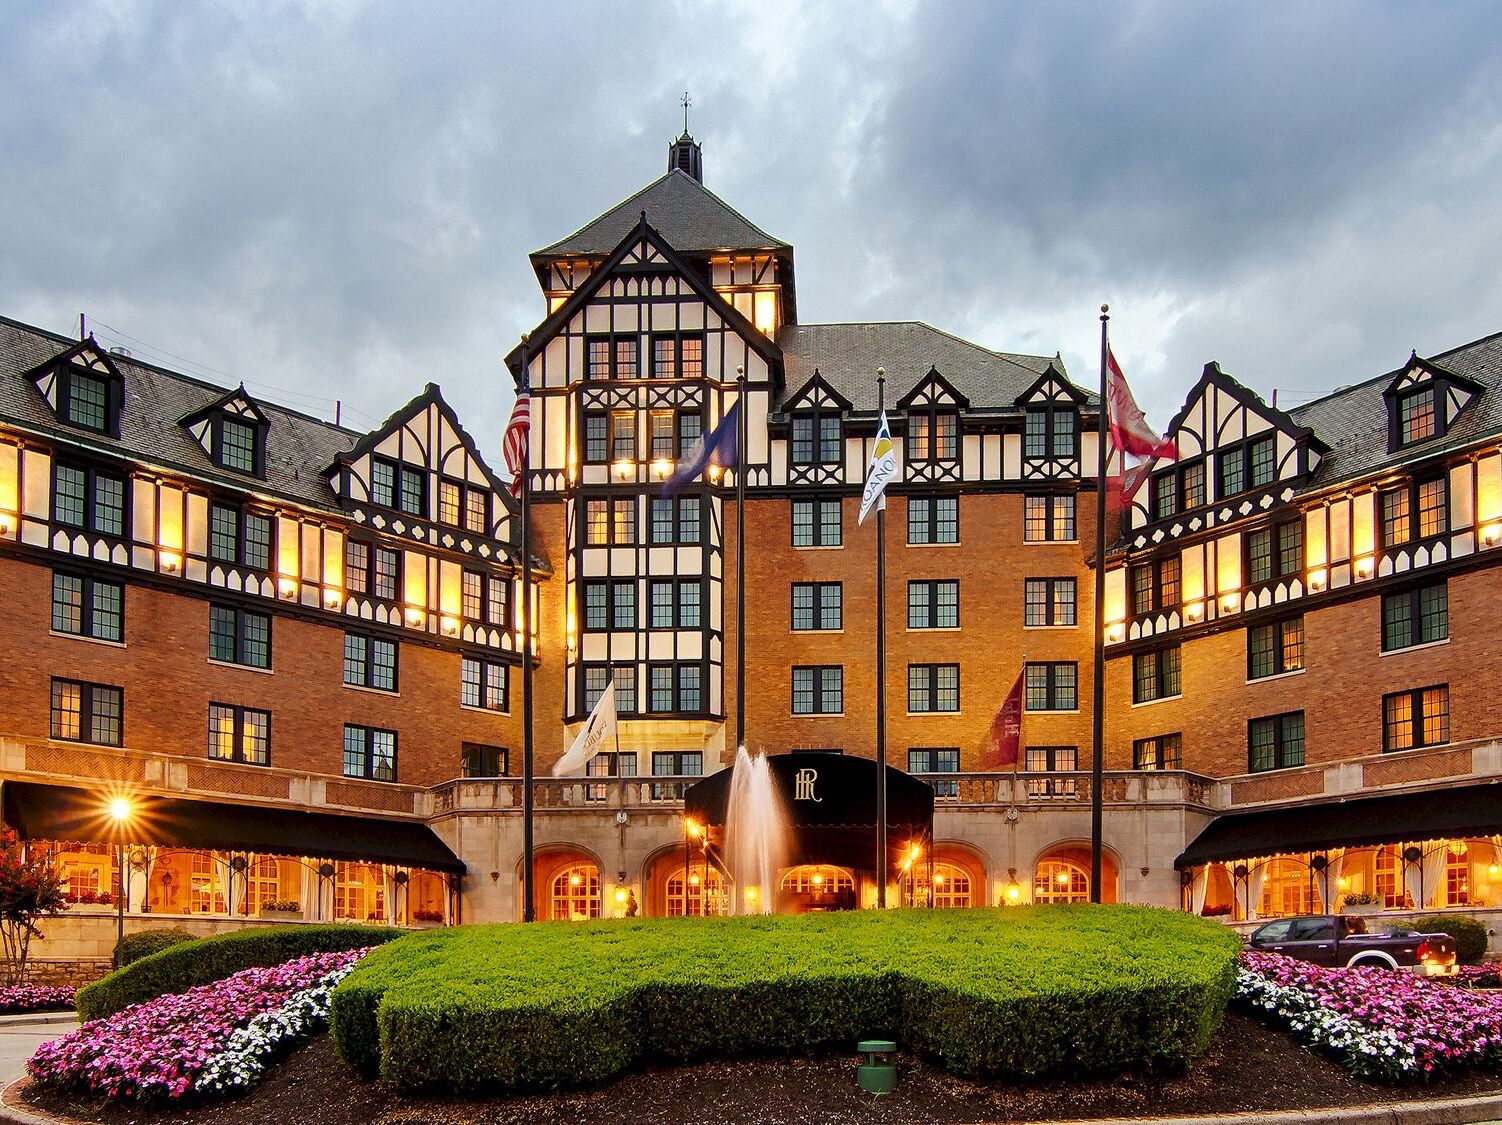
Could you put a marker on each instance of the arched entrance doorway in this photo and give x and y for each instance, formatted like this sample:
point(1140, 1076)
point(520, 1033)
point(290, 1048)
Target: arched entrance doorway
point(814, 887)
point(1062, 874)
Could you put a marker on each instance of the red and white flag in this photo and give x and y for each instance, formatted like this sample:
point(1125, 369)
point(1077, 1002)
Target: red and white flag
point(1121, 488)
point(1004, 738)
point(1130, 432)
point(518, 434)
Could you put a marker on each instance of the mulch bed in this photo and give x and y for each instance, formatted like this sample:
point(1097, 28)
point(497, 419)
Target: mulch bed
point(1249, 1067)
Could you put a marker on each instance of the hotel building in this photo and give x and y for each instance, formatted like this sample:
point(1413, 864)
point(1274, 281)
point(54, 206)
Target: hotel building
point(295, 647)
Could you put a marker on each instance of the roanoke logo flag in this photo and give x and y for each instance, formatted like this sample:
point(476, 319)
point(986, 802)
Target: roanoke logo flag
point(1130, 432)
point(718, 447)
point(1004, 737)
point(883, 469)
point(587, 742)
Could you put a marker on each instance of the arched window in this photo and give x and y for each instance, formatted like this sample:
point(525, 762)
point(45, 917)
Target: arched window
point(818, 880)
point(263, 884)
point(951, 887)
point(706, 893)
point(576, 893)
point(1286, 889)
point(359, 892)
point(1061, 881)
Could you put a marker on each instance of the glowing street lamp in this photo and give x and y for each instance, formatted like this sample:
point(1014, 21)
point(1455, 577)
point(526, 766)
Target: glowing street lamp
point(120, 811)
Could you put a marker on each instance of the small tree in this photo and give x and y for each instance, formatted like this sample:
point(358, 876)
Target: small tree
point(29, 890)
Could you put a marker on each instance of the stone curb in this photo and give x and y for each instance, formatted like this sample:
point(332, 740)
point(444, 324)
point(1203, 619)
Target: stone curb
point(12, 1113)
point(1452, 1111)
point(35, 1018)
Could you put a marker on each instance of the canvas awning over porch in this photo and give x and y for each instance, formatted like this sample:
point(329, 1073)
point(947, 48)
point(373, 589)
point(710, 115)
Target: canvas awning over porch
point(1358, 822)
point(40, 811)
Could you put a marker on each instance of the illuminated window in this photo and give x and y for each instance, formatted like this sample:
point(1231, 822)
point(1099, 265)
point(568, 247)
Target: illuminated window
point(933, 435)
point(1391, 879)
point(1165, 752)
point(239, 734)
point(1275, 648)
point(1458, 877)
point(706, 892)
point(610, 522)
point(1048, 602)
point(359, 892)
point(1414, 511)
point(83, 712)
point(1048, 519)
point(623, 435)
point(1060, 881)
point(576, 893)
point(1417, 418)
point(1288, 888)
point(1416, 718)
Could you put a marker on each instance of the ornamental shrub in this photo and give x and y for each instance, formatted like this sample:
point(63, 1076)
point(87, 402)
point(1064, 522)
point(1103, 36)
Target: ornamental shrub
point(1019, 991)
point(1470, 935)
point(181, 967)
point(143, 943)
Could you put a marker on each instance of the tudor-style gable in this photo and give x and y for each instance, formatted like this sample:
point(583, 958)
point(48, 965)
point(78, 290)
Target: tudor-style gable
point(1051, 426)
point(83, 387)
point(418, 469)
point(816, 433)
point(931, 449)
point(1423, 402)
point(232, 432)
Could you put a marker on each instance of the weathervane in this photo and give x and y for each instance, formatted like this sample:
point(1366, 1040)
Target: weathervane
point(685, 103)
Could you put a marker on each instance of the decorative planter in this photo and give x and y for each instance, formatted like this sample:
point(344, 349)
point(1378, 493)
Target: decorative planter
point(424, 925)
point(281, 915)
point(1363, 908)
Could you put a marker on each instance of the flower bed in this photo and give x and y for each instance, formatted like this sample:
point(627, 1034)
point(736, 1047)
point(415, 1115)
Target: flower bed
point(34, 998)
point(1379, 1024)
point(211, 1039)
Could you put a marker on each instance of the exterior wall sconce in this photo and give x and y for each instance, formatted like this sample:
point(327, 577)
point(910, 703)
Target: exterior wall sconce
point(1364, 566)
point(1115, 632)
point(450, 626)
point(1228, 602)
point(1194, 611)
point(287, 587)
point(171, 561)
point(661, 468)
point(5, 523)
point(415, 616)
point(1490, 534)
point(714, 473)
point(1013, 893)
point(333, 598)
point(623, 469)
point(1317, 580)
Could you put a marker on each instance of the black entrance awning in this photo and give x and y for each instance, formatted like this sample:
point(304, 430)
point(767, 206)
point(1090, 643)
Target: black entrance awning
point(60, 812)
point(1469, 810)
point(831, 802)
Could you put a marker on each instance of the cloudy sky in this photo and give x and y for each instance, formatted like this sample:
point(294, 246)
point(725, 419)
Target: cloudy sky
point(335, 200)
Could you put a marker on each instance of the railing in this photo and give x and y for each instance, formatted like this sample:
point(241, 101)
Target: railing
point(951, 790)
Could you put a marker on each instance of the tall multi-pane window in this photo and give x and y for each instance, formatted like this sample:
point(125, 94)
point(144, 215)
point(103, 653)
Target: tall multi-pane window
point(88, 498)
point(933, 687)
point(1048, 519)
point(596, 438)
point(926, 760)
point(1050, 432)
point(1051, 759)
point(369, 752)
point(610, 522)
point(83, 712)
point(675, 520)
point(385, 576)
point(1163, 752)
point(819, 690)
point(1415, 617)
point(1051, 686)
point(240, 537)
point(597, 677)
point(1275, 648)
point(675, 688)
point(1049, 601)
point(1416, 718)
point(86, 400)
point(675, 603)
point(611, 357)
point(623, 435)
point(1155, 586)
point(356, 566)
point(484, 683)
point(88, 607)
point(1251, 464)
point(1413, 511)
point(1155, 675)
point(816, 523)
point(817, 437)
point(818, 605)
point(1275, 552)
point(1417, 418)
point(1178, 489)
point(482, 597)
point(675, 763)
point(933, 519)
point(463, 505)
point(369, 662)
point(1275, 742)
point(933, 604)
point(239, 636)
point(933, 435)
point(239, 734)
point(237, 443)
point(403, 487)
point(383, 482)
point(661, 433)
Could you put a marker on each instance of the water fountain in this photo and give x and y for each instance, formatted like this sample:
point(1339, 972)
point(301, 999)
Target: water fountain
point(756, 835)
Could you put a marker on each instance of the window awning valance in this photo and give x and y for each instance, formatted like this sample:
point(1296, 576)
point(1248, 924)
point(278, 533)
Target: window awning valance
point(40, 811)
point(1434, 814)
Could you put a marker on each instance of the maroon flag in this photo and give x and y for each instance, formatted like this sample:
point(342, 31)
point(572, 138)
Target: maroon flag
point(1005, 736)
point(1120, 488)
point(1129, 429)
point(518, 434)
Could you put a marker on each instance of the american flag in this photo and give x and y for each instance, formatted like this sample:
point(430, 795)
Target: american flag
point(514, 442)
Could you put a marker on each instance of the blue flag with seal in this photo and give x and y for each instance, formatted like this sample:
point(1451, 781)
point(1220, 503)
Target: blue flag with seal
point(718, 447)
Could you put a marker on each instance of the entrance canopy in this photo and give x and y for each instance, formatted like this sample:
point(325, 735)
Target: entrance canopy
point(1469, 810)
point(63, 813)
point(831, 803)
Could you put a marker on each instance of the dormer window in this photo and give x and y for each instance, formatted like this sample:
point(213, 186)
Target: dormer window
point(1417, 418)
point(85, 400)
point(933, 435)
point(1051, 432)
point(818, 438)
point(238, 445)
point(398, 486)
point(83, 388)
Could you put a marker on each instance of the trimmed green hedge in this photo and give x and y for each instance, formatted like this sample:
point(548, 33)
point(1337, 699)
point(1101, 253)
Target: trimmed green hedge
point(180, 967)
point(1021, 991)
point(143, 943)
point(1470, 935)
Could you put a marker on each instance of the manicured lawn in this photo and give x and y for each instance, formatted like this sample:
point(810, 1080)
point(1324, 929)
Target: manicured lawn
point(1049, 990)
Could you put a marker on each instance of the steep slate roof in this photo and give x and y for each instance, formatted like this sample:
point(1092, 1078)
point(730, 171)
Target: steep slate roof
point(690, 216)
point(1353, 420)
point(847, 355)
point(298, 447)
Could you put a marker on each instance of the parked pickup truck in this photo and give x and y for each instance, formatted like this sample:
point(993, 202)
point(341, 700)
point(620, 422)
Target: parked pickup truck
point(1335, 940)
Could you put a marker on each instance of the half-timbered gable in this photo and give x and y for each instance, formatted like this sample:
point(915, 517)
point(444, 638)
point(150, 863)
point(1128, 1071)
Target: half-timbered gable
point(815, 434)
point(1051, 427)
point(931, 423)
point(84, 388)
point(232, 431)
point(1423, 402)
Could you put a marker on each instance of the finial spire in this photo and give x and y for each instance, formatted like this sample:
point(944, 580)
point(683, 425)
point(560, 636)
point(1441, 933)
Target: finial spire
point(685, 103)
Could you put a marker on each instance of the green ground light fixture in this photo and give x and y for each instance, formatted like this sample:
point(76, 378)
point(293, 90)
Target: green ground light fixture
point(878, 1074)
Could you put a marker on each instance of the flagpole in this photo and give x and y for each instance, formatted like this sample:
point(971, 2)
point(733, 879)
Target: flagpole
point(529, 897)
point(881, 672)
point(1098, 716)
point(741, 461)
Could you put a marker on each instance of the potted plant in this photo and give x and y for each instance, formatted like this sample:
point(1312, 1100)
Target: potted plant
point(426, 919)
point(1361, 902)
point(282, 910)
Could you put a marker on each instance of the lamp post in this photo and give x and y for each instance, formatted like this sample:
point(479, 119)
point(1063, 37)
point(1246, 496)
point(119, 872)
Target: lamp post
point(120, 812)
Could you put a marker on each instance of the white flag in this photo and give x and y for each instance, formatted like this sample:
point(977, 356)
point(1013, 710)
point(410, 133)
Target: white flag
point(600, 726)
point(883, 469)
